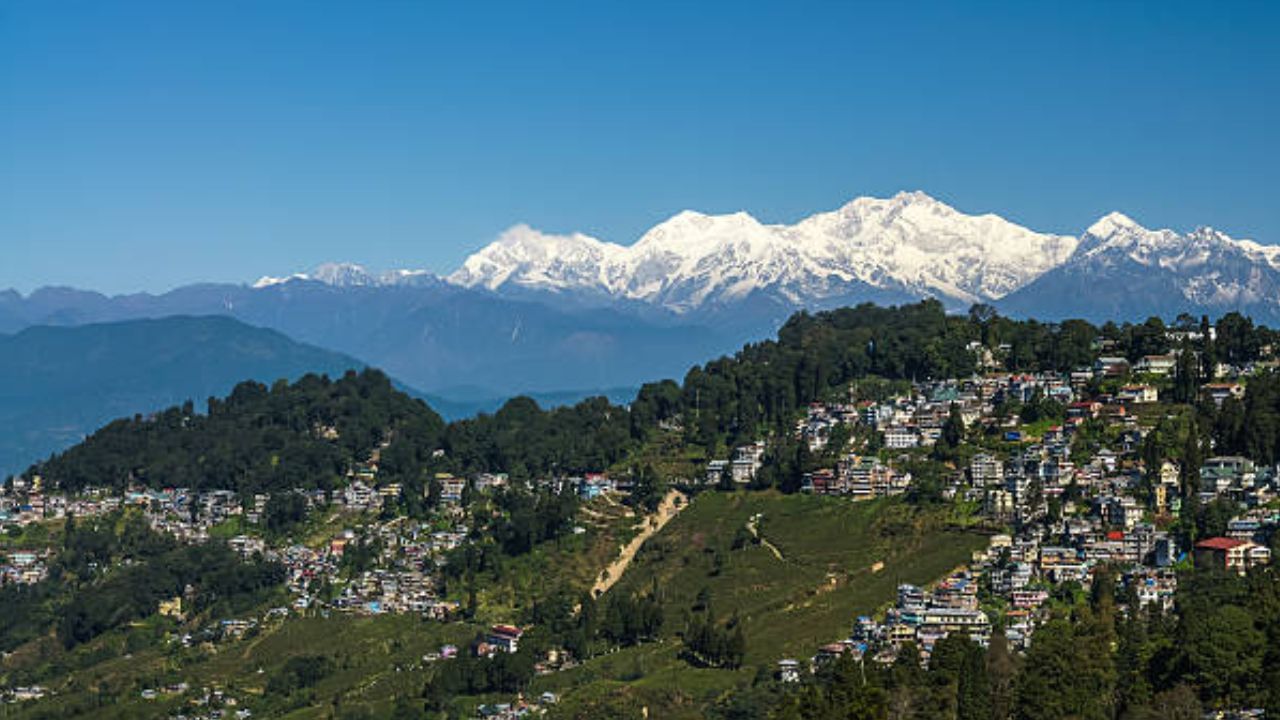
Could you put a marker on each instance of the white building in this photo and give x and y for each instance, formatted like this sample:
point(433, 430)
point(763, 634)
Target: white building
point(900, 437)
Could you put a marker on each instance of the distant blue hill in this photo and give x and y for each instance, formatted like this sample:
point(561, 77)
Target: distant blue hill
point(58, 384)
point(433, 337)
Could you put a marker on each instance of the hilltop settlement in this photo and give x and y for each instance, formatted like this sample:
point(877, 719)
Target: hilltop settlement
point(1124, 481)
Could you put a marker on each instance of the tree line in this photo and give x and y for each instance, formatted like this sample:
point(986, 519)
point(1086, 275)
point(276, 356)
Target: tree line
point(311, 433)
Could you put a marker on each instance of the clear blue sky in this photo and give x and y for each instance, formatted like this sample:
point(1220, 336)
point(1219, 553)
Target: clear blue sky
point(147, 145)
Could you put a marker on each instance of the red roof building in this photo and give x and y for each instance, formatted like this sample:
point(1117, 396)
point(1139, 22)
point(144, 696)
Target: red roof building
point(1229, 554)
point(1219, 544)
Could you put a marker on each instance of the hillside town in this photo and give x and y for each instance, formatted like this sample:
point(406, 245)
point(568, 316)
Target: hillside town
point(1056, 466)
point(1072, 488)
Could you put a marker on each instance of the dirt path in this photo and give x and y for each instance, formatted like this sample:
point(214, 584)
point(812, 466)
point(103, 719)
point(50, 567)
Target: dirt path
point(649, 526)
point(753, 525)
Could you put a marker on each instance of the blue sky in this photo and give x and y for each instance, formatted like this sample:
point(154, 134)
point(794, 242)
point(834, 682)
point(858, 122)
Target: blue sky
point(148, 145)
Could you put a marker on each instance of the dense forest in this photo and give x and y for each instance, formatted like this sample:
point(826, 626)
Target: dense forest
point(309, 434)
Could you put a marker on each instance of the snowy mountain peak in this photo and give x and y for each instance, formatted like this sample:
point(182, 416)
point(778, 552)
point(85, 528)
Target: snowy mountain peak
point(688, 233)
point(535, 258)
point(917, 197)
point(909, 244)
point(1113, 223)
point(343, 275)
point(267, 281)
point(1162, 269)
point(1118, 235)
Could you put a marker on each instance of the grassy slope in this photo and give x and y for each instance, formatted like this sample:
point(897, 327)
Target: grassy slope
point(824, 579)
point(789, 607)
point(667, 453)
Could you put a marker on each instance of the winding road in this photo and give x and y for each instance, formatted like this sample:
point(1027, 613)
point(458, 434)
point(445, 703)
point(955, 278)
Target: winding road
point(753, 526)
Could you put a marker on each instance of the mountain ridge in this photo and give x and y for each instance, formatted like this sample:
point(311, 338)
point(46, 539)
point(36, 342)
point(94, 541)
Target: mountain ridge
point(911, 245)
point(58, 384)
point(1122, 268)
point(910, 242)
point(433, 336)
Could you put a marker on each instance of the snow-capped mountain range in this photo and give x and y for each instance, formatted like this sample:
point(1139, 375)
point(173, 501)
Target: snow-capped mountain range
point(910, 243)
point(907, 246)
point(1121, 270)
point(572, 315)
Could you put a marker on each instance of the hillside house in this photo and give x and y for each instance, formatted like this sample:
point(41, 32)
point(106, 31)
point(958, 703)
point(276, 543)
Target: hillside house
point(359, 496)
point(451, 487)
point(1111, 367)
point(504, 638)
point(1221, 392)
point(901, 437)
point(1138, 394)
point(1156, 364)
point(716, 470)
point(1231, 555)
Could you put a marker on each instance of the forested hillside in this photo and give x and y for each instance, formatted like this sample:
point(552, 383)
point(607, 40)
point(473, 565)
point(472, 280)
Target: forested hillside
point(761, 387)
point(304, 435)
point(81, 600)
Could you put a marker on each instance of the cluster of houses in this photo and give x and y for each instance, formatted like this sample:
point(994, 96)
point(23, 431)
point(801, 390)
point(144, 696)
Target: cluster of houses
point(397, 570)
point(23, 567)
point(203, 704)
point(521, 708)
point(859, 477)
point(1023, 471)
point(24, 502)
point(1073, 507)
point(400, 581)
point(1015, 577)
point(919, 616)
